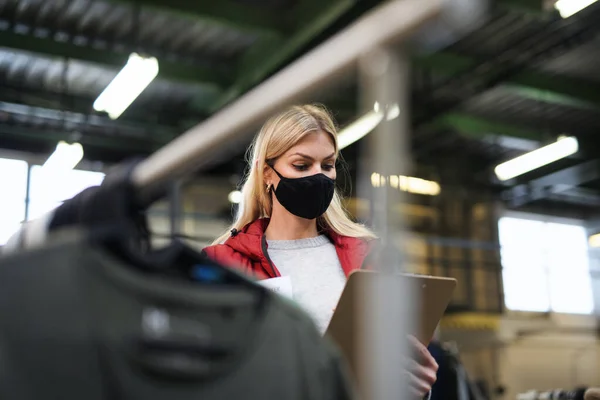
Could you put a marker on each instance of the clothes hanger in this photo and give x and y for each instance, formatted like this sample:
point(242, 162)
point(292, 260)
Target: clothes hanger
point(113, 220)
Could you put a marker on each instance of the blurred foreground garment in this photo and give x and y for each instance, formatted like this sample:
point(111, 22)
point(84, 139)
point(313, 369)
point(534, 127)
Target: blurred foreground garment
point(93, 312)
point(452, 380)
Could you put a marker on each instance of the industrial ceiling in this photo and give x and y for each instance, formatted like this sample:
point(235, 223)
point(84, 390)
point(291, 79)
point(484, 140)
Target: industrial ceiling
point(521, 79)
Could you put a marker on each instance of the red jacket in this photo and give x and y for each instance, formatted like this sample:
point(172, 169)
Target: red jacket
point(247, 250)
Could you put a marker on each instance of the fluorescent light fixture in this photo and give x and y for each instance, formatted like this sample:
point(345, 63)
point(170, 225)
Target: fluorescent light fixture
point(563, 147)
point(129, 83)
point(378, 180)
point(359, 128)
point(235, 197)
point(408, 184)
point(65, 157)
point(566, 8)
point(365, 124)
point(393, 112)
point(594, 240)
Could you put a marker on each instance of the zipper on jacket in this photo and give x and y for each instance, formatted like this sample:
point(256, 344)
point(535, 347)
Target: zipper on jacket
point(263, 243)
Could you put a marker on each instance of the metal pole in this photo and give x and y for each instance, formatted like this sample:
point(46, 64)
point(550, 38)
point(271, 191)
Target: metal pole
point(175, 207)
point(27, 193)
point(386, 314)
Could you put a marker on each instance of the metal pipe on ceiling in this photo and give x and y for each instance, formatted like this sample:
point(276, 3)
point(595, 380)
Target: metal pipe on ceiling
point(30, 113)
point(551, 38)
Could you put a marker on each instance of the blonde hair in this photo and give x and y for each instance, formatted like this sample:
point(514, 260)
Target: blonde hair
point(280, 133)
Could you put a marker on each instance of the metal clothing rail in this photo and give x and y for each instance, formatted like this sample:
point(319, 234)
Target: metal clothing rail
point(388, 24)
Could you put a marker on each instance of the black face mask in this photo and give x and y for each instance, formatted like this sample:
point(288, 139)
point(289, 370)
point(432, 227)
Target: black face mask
point(307, 197)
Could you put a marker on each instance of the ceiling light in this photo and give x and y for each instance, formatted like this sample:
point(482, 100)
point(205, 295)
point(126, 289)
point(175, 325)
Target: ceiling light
point(562, 148)
point(566, 8)
point(411, 184)
point(235, 197)
point(65, 157)
point(377, 180)
point(129, 83)
point(408, 184)
point(393, 112)
point(594, 240)
point(359, 129)
point(365, 124)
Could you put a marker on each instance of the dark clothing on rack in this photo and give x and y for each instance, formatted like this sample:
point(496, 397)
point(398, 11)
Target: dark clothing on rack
point(89, 310)
point(452, 380)
point(446, 381)
point(76, 322)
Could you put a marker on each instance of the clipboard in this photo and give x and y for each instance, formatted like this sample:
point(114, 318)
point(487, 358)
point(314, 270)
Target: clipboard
point(434, 293)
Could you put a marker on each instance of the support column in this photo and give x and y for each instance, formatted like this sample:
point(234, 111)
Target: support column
point(385, 317)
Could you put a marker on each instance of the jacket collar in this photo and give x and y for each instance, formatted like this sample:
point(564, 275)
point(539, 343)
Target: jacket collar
point(248, 240)
point(351, 251)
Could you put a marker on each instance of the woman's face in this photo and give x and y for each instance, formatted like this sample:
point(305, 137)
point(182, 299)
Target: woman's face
point(314, 154)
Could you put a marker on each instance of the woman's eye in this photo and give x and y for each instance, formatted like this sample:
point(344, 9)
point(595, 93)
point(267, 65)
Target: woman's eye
point(328, 167)
point(301, 167)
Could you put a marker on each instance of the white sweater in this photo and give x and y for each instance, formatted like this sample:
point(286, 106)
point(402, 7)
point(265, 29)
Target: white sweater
point(315, 271)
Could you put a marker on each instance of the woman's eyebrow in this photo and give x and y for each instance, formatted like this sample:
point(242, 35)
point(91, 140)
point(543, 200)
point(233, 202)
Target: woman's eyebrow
point(306, 156)
point(302, 155)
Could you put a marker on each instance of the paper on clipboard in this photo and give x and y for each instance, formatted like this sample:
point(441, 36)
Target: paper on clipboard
point(281, 285)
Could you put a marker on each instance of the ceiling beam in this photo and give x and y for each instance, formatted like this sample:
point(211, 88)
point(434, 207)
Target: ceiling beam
point(531, 84)
point(8, 132)
point(579, 195)
point(558, 89)
point(81, 122)
point(168, 117)
point(558, 97)
point(264, 61)
point(553, 184)
point(535, 7)
point(168, 70)
point(227, 13)
point(481, 128)
point(39, 97)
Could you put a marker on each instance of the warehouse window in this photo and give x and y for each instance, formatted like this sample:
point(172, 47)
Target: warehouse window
point(47, 192)
point(545, 264)
point(13, 184)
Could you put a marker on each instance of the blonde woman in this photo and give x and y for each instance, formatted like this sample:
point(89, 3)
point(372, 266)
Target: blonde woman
point(291, 222)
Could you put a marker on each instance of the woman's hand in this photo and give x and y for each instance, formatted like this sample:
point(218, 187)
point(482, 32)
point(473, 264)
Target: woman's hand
point(422, 369)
